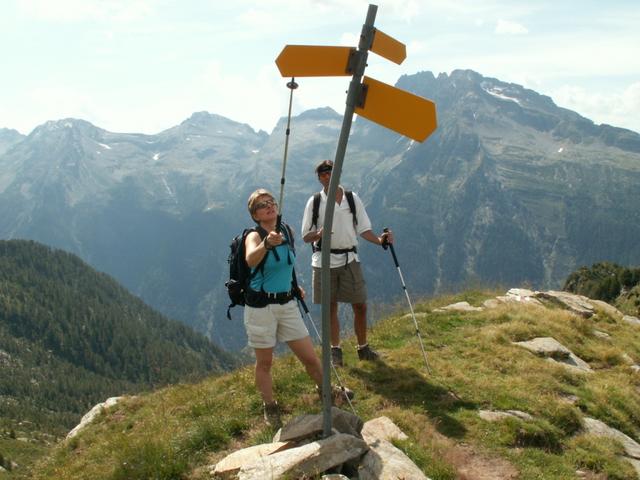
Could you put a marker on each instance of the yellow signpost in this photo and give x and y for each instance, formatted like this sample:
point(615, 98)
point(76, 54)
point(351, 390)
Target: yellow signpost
point(388, 47)
point(314, 61)
point(391, 107)
point(398, 110)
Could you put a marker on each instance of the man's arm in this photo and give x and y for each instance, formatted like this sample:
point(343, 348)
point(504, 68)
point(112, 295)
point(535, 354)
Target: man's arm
point(371, 237)
point(308, 233)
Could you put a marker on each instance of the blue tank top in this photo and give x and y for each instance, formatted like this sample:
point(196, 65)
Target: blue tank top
point(276, 275)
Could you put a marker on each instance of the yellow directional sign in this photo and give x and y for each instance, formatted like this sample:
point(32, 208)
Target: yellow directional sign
point(314, 61)
point(400, 111)
point(388, 47)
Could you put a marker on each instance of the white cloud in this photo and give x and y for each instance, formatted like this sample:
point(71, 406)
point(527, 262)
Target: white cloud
point(84, 10)
point(507, 27)
point(618, 108)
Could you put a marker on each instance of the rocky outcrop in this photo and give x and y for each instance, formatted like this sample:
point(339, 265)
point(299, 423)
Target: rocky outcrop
point(496, 416)
point(92, 414)
point(631, 447)
point(310, 459)
point(297, 451)
point(554, 351)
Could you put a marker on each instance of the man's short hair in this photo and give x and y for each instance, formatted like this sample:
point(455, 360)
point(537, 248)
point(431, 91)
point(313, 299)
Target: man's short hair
point(324, 166)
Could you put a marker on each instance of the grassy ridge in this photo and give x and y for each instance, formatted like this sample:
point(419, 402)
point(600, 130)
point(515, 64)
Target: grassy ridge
point(178, 431)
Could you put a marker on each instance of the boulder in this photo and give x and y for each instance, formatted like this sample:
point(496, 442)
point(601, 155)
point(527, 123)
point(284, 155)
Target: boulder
point(459, 307)
point(554, 351)
point(231, 464)
point(603, 335)
point(307, 426)
point(631, 320)
point(383, 461)
point(92, 414)
point(381, 428)
point(610, 310)
point(310, 459)
point(495, 416)
point(598, 428)
point(578, 304)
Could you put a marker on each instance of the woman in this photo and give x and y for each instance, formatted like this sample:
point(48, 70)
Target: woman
point(271, 313)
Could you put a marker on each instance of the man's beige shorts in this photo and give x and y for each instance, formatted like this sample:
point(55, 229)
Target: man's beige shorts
point(274, 322)
point(347, 284)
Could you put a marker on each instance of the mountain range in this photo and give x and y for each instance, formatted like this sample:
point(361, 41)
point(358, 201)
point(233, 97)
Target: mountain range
point(71, 337)
point(510, 189)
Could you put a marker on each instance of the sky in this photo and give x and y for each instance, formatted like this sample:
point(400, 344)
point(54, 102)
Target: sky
point(146, 65)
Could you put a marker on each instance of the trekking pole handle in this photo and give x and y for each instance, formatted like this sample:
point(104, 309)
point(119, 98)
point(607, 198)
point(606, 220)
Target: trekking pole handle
point(279, 223)
point(386, 245)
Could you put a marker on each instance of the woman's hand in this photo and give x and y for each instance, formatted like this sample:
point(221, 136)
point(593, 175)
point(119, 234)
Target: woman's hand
point(273, 239)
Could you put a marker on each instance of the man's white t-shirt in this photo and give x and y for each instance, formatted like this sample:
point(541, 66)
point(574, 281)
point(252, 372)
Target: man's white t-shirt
point(344, 235)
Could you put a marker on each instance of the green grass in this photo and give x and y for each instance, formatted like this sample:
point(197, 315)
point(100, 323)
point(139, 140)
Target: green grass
point(177, 431)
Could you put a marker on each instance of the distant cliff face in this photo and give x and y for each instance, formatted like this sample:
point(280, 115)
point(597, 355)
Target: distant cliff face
point(509, 189)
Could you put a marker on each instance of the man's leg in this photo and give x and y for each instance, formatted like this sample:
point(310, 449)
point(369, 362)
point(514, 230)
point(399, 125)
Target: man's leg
point(360, 322)
point(335, 325)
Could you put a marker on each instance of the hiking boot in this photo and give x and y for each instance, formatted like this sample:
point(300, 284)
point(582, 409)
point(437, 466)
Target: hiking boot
point(336, 356)
point(367, 353)
point(272, 414)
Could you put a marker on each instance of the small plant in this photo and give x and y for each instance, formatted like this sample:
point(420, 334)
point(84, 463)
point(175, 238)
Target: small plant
point(149, 460)
point(432, 465)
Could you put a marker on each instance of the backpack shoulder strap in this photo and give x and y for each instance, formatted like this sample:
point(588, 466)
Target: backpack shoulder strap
point(263, 233)
point(352, 205)
point(316, 210)
point(290, 237)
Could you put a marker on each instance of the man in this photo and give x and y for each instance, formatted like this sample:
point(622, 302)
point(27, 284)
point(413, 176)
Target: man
point(347, 283)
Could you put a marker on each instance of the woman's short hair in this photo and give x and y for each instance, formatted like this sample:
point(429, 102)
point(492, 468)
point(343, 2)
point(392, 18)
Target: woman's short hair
point(253, 199)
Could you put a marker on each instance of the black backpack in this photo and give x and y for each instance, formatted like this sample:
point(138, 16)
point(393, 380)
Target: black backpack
point(239, 272)
point(315, 212)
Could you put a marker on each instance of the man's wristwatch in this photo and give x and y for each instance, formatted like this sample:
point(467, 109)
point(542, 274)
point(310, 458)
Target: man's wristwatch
point(267, 246)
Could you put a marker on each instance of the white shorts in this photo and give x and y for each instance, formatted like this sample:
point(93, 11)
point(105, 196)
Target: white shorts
point(274, 322)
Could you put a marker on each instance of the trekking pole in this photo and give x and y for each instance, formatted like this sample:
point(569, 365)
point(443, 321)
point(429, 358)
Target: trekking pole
point(292, 85)
point(388, 245)
point(333, 368)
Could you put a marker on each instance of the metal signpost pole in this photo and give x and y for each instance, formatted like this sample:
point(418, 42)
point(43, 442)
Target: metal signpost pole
point(358, 63)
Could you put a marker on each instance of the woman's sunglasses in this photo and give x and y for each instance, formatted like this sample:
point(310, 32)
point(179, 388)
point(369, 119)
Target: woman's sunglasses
point(265, 204)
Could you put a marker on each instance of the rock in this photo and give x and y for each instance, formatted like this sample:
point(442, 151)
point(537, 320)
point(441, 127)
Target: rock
point(383, 461)
point(495, 416)
point(310, 459)
point(492, 303)
point(602, 335)
point(418, 315)
point(596, 427)
point(92, 414)
point(231, 464)
point(578, 304)
point(306, 426)
point(553, 350)
point(635, 368)
point(381, 428)
point(631, 320)
point(610, 310)
point(635, 463)
point(460, 307)
point(520, 292)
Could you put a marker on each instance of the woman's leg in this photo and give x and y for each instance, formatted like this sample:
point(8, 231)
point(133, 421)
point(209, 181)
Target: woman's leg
point(264, 359)
point(303, 349)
